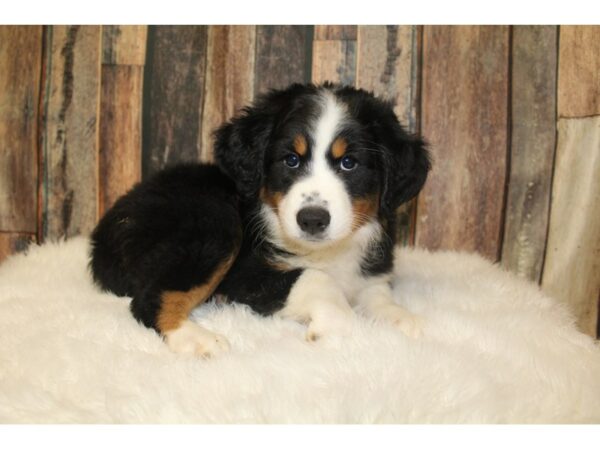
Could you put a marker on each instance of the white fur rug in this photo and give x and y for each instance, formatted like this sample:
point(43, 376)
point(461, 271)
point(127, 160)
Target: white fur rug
point(494, 350)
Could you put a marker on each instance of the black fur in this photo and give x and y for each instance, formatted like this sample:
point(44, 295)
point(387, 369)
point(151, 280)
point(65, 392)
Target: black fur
point(171, 232)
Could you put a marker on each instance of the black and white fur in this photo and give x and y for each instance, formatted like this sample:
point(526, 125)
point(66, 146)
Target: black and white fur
point(297, 219)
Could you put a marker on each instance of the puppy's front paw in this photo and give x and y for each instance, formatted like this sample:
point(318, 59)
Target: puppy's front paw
point(334, 325)
point(410, 324)
point(191, 338)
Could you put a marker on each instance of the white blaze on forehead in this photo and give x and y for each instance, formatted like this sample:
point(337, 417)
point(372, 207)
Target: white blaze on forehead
point(327, 125)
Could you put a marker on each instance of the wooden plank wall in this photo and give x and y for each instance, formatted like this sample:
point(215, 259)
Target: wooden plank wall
point(512, 115)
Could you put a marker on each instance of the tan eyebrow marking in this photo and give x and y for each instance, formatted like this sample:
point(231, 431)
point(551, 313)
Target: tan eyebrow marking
point(300, 145)
point(338, 148)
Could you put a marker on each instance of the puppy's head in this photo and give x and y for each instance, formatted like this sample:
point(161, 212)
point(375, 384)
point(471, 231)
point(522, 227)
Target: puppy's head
point(324, 161)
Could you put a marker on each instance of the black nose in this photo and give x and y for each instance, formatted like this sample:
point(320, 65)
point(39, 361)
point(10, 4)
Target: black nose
point(313, 220)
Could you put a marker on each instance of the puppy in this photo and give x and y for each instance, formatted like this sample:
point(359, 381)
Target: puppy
point(296, 218)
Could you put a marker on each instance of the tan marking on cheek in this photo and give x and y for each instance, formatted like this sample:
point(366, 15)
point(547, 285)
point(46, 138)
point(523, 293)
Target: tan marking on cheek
point(338, 148)
point(363, 210)
point(271, 198)
point(300, 145)
point(176, 306)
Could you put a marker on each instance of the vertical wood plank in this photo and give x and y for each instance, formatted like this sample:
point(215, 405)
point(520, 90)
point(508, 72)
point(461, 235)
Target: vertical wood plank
point(20, 62)
point(579, 71)
point(334, 59)
point(173, 95)
point(281, 56)
point(120, 112)
point(229, 78)
point(11, 243)
point(533, 139)
point(335, 32)
point(387, 60)
point(572, 265)
point(465, 119)
point(70, 139)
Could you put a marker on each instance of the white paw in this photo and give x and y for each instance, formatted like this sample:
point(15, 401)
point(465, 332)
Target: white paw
point(410, 324)
point(338, 325)
point(191, 338)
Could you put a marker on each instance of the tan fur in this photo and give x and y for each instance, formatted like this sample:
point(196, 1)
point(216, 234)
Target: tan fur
point(271, 198)
point(338, 148)
point(300, 145)
point(364, 209)
point(176, 306)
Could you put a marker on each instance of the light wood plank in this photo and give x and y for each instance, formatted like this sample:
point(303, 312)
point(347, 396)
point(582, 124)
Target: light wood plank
point(12, 243)
point(465, 119)
point(70, 144)
point(572, 265)
point(334, 61)
point(387, 61)
point(20, 62)
point(173, 95)
point(281, 56)
point(229, 78)
point(579, 71)
point(124, 44)
point(335, 32)
point(533, 139)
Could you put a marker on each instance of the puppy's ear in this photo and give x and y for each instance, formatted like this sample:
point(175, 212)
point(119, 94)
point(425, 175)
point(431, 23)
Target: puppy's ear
point(240, 147)
point(406, 163)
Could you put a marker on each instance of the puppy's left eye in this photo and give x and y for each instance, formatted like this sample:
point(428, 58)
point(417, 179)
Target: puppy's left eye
point(348, 163)
point(292, 160)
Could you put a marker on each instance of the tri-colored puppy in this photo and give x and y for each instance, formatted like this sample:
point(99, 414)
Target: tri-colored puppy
point(296, 218)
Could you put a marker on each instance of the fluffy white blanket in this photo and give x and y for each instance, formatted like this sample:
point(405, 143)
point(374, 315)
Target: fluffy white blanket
point(494, 349)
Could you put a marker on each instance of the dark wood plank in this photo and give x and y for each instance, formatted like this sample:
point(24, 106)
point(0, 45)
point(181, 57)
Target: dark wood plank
point(388, 64)
point(70, 136)
point(533, 139)
point(11, 243)
point(229, 78)
point(335, 32)
point(465, 119)
point(281, 56)
point(579, 71)
point(20, 62)
point(124, 44)
point(173, 95)
point(572, 265)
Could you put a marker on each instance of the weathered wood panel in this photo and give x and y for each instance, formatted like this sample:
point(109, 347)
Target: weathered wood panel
point(124, 44)
point(282, 56)
point(533, 139)
point(465, 118)
point(11, 243)
point(20, 62)
point(334, 60)
point(335, 32)
point(387, 61)
point(70, 144)
point(173, 95)
point(572, 265)
point(229, 78)
point(121, 112)
point(579, 71)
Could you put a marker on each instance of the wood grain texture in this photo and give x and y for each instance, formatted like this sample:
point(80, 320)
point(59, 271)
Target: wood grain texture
point(387, 61)
point(572, 265)
point(579, 71)
point(124, 44)
point(120, 164)
point(465, 119)
point(281, 56)
point(533, 139)
point(20, 62)
point(335, 32)
point(229, 78)
point(11, 243)
point(120, 132)
point(173, 95)
point(334, 61)
point(70, 143)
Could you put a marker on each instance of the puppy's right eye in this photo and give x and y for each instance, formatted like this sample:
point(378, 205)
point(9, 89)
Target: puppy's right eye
point(292, 160)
